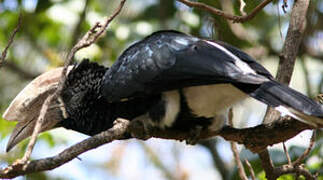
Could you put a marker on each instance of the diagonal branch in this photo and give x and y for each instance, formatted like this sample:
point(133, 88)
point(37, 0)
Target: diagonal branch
point(252, 172)
point(299, 160)
point(235, 151)
point(116, 132)
point(234, 18)
point(12, 36)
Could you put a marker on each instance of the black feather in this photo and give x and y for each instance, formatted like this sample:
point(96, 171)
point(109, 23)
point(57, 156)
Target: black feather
point(88, 111)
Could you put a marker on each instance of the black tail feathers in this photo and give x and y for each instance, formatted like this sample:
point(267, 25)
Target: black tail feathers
point(287, 101)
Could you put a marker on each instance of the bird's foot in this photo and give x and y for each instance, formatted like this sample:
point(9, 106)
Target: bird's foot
point(140, 128)
point(120, 122)
point(194, 135)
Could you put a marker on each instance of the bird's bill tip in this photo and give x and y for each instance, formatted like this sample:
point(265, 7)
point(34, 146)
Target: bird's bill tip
point(26, 106)
point(20, 132)
point(24, 129)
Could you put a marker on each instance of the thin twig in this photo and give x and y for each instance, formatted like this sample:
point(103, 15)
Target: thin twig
point(235, 151)
point(35, 133)
point(272, 173)
point(241, 171)
point(300, 159)
point(89, 38)
point(218, 12)
point(252, 172)
point(287, 155)
point(4, 52)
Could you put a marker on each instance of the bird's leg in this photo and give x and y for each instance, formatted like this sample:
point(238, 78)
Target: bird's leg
point(194, 135)
point(217, 124)
point(140, 127)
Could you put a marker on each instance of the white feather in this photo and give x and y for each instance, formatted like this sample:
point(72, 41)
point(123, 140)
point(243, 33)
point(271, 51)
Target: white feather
point(213, 101)
point(245, 68)
point(210, 100)
point(312, 120)
point(172, 100)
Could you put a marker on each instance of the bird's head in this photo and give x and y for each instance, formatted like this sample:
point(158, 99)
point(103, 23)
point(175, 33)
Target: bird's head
point(25, 108)
point(80, 106)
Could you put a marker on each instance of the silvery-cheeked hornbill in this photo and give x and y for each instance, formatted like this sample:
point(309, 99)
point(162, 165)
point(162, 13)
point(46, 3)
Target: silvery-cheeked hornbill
point(169, 80)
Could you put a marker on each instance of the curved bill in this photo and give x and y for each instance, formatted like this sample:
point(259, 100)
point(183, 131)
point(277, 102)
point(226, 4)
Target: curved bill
point(26, 106)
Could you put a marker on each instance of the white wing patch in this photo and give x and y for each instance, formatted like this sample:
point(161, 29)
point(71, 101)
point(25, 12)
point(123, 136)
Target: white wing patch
point(245, 68)
point(172, 99)
point(312, 120)
point(212, 100)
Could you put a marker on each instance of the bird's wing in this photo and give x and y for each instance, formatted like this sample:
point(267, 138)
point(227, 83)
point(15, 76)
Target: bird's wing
point(169, 60)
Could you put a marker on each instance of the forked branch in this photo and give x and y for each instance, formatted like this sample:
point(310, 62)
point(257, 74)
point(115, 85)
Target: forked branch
point(218, 12)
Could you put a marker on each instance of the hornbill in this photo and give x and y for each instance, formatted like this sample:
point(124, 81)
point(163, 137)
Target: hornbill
point(167, 80)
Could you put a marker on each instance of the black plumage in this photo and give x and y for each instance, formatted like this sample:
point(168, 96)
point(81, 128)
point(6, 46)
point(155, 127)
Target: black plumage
point(171, 78)
point(169, 60)
point(87, 110)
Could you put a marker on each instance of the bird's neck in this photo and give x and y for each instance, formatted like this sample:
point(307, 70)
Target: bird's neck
point(100, 115)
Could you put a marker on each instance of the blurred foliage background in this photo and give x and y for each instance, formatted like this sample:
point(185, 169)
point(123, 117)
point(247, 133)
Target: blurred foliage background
point(51, 27)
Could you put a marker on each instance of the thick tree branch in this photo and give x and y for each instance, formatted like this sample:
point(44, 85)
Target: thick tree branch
point(287, 58)
point(294, 37)
point(234, 18)
point(288, 55)
point(267, 164)
point(255, 138)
